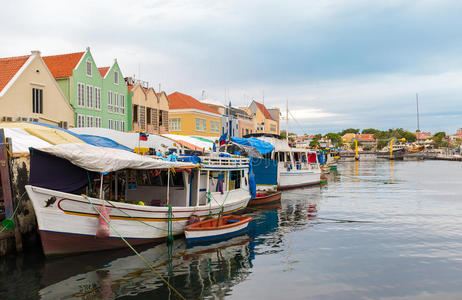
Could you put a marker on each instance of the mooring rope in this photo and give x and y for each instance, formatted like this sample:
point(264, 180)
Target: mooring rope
point(134, 250)
point(12, 216)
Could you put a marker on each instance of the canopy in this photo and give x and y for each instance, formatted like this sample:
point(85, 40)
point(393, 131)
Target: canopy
point(128, 139)
point(99, 159)
point(261, 146)
point(22, 140)
point(191, 142)
point(242, 149)
point(102, 142)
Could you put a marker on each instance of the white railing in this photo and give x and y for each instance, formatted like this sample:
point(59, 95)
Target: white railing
point(225, 161)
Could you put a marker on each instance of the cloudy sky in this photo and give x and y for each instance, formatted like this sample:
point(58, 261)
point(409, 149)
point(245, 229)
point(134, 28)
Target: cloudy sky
point(340, 64)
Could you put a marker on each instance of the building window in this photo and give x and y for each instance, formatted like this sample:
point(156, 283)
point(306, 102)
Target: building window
point(110, 124)
point(272, 127)
point(122, 104)
point(247, 131)
point(98, 122)
point(174, 124)
point(115, 102)
point(89, 96)
point(135, 113)
point(80, 94)
point(97, 98)
point(142, 117)
point(161, 119)
point(201, 124)
point(80, 121)
point(116, 77)
point(122, 125)
point(109, 101)
point(37, 101)
point(89, 121)
point(214, 126)
point(88, 67)
point(116, 125)
point(148, 115)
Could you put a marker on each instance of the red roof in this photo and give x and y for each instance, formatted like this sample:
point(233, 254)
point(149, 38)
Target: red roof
point(365, 137)
point(264, 110)
point(178, 100)
point(9, 66)
point(129, 88)
point(423, 135)
point(103, 71)
point(62, 65)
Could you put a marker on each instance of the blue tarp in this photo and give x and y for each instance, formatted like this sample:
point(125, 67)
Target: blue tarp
point(261, 146)
point(265, 170)
point(101, 142)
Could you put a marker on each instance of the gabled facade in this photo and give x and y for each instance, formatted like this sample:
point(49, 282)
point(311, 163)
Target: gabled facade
point(28, 92)
point(188, 116)
point(98, 96)
point(149, 109)
point(263, 119)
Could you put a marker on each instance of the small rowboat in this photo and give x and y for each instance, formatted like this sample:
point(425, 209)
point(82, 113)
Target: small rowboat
point(263, 198)
point(217, 228)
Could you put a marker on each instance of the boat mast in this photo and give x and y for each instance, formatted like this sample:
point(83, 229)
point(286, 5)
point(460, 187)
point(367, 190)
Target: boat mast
point(287, 120)
point(417, 102)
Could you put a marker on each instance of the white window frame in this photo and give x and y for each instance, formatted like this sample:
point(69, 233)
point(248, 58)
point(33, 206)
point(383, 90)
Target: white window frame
point(80, 94)
point(109, 101)
point(115, 102)
point(116, 125)
point(37, 101)
point(122, 104)
point(89, 93)
point(202, 125)
point(122, 126)
point(88, 61)
point(97, 98)
point(116, 77)
point(174, 124)
point(214, 126)
point(80, 120)
point(90, 121)
point(97, 122)
point(110, 124)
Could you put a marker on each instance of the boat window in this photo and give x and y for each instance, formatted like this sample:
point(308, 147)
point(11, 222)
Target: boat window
point(281, 156)
point(158, 178)
point(235, 180)
point(288, 156)
point(176, 179)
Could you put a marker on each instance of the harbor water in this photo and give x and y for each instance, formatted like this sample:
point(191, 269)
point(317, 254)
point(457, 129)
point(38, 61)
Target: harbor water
point(376, 230)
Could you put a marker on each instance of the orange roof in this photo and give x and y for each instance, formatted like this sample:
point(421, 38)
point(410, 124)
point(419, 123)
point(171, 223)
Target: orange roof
point(365, 137)
point(264, 110)
point(9, 66)
point(129, 88)
point(103, 71)
point(62, 65)
point(178, 100)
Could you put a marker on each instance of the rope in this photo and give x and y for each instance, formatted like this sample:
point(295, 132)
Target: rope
point(14, 212)
point(169, 225)
point(134, 250)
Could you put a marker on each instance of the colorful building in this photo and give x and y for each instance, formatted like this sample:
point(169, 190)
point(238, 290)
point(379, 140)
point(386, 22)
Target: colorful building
point(265, 122)
point(149, 109)
point(98, 95)
point(28, 92)
point(188, 116)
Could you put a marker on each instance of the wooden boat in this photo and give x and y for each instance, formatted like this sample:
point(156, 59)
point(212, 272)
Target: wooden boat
point(143, 195)
point(264, 198)
point(216, 228)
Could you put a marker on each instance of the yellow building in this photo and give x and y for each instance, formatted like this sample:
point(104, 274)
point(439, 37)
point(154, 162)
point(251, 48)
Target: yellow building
point(188, 116)
point(266, 122)
point(29, 92)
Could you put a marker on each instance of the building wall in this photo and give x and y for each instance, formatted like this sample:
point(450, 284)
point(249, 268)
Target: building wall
point(246, 126)
point(17, 101)
point(188, 123)
point(164, 109)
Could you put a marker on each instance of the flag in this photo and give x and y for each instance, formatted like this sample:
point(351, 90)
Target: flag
point(143, 136)
point(222, 139)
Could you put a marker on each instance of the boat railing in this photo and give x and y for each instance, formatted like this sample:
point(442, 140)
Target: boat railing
point(225, 161)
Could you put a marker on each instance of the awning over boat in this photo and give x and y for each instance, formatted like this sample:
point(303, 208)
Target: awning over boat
point(99, 159)
point(22, 140)
point(197, 143)
point(261, 146)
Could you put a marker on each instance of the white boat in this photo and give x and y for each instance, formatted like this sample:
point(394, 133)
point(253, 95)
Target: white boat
point(297, 167)
point(170, 193)
point(216, 228)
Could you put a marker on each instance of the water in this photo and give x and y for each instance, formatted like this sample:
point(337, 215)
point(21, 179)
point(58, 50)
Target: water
point(383, 230)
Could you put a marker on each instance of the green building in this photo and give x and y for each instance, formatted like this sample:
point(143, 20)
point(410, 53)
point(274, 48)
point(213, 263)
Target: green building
point(98, 95)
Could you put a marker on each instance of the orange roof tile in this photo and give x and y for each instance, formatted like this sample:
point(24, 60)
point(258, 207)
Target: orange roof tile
point(9, 66)
point(178, 100)
point(129, 88)
point(62, 65)
point(103, 71)
point(264, 110)
point(365, 137)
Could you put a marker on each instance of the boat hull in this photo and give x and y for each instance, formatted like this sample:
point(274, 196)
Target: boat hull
point(268, 199)
point(201, 235)
point(68, 223)
point(297, 179)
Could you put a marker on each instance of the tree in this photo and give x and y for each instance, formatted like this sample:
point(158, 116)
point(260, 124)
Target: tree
point(335, 138)
point(349, 130)
point(369, 131)
point(439, 139)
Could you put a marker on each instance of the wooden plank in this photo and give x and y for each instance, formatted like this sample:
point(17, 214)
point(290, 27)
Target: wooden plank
point(5, 175)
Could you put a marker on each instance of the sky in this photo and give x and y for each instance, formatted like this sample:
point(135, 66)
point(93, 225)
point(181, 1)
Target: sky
point(338, 64)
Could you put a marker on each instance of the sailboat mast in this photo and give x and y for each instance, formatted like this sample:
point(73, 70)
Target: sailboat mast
point(287, 120)
point(417, 102)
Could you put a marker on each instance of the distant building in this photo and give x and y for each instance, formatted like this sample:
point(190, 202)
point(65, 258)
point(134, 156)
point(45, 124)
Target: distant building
point(188, 116)
point(28, 92)
point(265, 121)
point(234, 120)
point(149, 109)
point(98, 95)
point(459, 131)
